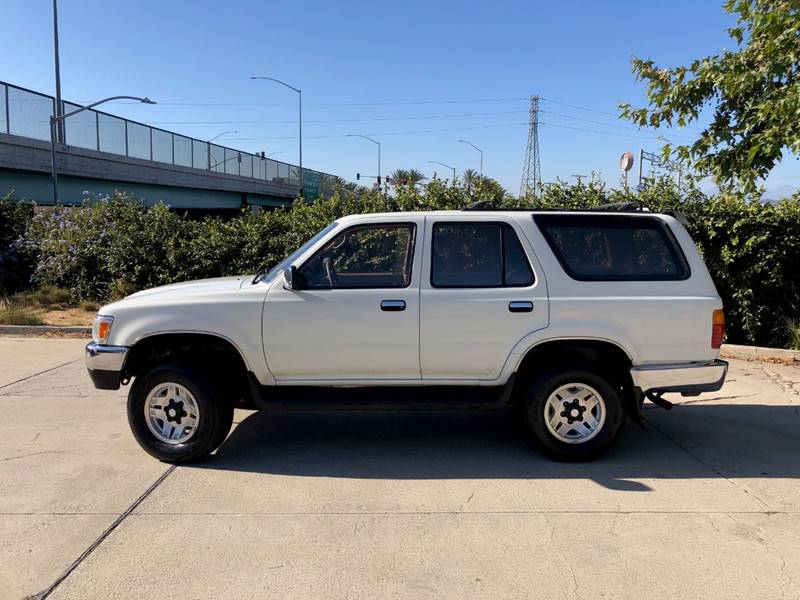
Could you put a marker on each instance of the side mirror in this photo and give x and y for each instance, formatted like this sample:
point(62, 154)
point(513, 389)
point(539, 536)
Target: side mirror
point(292, 278)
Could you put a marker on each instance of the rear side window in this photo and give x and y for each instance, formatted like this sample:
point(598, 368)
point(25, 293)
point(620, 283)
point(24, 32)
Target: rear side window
point(614, 247)
point(474, 254)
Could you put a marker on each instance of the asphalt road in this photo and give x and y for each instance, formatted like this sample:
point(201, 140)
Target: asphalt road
point(705, 503)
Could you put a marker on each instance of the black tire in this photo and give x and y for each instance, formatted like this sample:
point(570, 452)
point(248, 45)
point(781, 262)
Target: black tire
point(216, 413)
point(609, 432)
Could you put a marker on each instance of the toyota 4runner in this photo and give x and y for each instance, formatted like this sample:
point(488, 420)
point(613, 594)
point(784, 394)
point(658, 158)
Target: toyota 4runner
point(574, 317)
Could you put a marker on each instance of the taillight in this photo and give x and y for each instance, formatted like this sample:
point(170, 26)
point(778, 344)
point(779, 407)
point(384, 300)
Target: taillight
point(717, 328)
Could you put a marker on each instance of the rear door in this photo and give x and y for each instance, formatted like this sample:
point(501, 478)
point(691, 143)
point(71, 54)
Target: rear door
point(482, 291)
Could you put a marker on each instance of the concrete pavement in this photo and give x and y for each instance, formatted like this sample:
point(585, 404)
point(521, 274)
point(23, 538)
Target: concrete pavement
point(703, 504)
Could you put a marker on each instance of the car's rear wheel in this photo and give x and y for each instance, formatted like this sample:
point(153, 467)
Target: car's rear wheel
point(177, 414)
point(574, 415)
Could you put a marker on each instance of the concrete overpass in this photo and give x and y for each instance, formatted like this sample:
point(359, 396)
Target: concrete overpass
point(102, 153)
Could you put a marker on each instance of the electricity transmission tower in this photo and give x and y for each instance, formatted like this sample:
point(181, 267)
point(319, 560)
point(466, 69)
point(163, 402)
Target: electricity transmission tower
point(531, 171)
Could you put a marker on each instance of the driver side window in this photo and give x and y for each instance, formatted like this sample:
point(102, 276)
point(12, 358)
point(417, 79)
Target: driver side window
point(363, 257)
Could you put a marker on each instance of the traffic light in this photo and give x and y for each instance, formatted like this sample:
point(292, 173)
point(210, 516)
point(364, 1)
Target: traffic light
point(358, 176)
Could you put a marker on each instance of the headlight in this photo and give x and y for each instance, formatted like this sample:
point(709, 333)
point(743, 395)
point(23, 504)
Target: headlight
point(101, 328)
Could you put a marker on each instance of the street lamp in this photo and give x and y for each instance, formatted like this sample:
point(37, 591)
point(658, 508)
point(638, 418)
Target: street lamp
point(272, 154)
point(219, 135)
point(379, 152)
point(60, 119)
point(300, 120)
point(436, 162)
point(476, 148)
point(237, 157)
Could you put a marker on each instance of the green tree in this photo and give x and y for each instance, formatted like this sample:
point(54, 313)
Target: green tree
point(754, 91)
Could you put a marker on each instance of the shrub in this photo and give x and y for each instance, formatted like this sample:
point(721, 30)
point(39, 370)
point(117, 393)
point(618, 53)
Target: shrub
point(16, 266)
point(48, 294)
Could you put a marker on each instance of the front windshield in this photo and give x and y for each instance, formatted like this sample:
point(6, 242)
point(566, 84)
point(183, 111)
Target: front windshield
point(273, 273)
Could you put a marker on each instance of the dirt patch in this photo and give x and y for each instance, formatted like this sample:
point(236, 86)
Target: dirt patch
point(67, 316)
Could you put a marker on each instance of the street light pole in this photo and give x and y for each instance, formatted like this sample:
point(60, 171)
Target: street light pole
point(56, 120)
point(219, 135)
point(379, 153)
point(300, 120)
point(57, 110)
point(436, 162)
point(476, 148)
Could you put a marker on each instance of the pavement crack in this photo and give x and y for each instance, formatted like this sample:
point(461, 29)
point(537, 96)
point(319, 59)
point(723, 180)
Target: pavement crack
point(708, 465)
point(29, 454)
point(69, 362)
point(786, 385)
point(93, 546)
point(770, 549)
point(563, 558)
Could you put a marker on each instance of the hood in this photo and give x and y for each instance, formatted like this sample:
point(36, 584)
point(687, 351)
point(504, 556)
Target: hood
point(177, 292)
point(199, 286)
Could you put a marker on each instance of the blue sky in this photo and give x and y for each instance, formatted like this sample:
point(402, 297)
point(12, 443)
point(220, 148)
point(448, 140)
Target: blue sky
point(400, 72)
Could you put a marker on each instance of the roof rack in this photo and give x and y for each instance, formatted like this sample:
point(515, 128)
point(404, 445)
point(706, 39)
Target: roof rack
point(488, 205)
point(629, 206)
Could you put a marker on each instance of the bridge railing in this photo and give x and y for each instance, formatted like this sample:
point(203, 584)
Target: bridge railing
point(27, 113)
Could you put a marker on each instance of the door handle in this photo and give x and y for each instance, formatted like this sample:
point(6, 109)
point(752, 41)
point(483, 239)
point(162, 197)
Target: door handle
point(393, 305)
point(520, 306)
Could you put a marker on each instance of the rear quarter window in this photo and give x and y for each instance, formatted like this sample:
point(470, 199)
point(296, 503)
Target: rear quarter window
point(614, 247)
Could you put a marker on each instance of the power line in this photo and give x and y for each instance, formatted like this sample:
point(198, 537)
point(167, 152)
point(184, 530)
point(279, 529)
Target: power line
point(353, 120)
point(400, 103)
point(644, 136)
point(601, 112)
point(625, 127)
point(379, 133)
point(614, 133)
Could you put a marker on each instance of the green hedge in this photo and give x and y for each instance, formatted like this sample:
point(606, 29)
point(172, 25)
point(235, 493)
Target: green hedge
point(109, 248)
point(16, 264)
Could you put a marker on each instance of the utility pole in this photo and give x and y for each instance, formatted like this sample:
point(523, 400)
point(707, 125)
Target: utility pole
point(531, 170)
point(641, 160)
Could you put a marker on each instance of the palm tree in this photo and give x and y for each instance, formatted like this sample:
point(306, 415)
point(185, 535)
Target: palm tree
point(399, 176)
point(415, 177)
point(406, 177)
point(471, 177)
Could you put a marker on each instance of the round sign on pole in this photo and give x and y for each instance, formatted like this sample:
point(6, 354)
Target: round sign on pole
point(626, 161)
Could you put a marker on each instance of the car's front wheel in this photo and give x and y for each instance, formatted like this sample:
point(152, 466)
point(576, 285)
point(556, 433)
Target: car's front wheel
point(574, 415)
point(177, 414)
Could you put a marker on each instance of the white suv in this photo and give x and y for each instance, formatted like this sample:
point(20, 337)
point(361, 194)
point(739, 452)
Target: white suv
point(574, 317)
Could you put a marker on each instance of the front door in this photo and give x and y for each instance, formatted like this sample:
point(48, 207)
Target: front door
point(356, 316)
point(482, 292)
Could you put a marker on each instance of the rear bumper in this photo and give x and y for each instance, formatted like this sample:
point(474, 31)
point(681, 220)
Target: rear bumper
point(105, 365)
point(689, 379)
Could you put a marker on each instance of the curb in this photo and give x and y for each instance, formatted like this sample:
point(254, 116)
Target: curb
point(44, 330)
point(759, 353)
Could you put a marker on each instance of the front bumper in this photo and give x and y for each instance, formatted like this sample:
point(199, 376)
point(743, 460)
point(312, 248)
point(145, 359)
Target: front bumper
point(689, 379)
point(105, 365)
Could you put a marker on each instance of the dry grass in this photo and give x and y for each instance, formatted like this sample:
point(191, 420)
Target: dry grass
point(45, 306)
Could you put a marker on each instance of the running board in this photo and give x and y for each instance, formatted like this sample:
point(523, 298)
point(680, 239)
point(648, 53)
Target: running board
point(380, 398)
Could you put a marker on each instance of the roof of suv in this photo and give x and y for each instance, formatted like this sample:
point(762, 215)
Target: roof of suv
point(489, 214)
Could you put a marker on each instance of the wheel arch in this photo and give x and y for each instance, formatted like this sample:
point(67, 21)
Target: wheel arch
point(609, 357)
point(215, 352)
